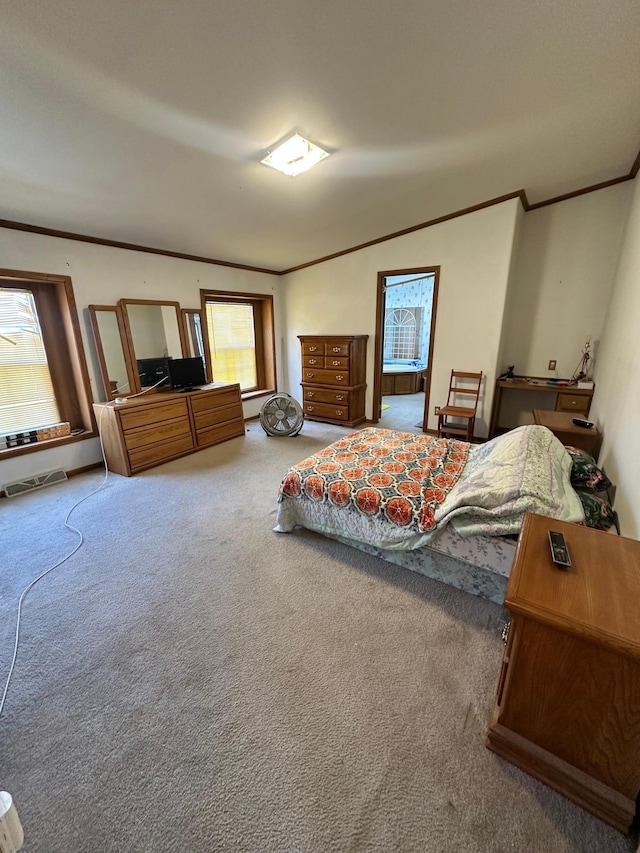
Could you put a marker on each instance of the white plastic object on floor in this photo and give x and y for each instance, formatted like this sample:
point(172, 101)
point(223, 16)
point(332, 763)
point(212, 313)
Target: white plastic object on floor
point(11, 834)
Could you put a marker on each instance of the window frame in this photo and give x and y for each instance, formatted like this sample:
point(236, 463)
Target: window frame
point(60, 326)
point(264, 333)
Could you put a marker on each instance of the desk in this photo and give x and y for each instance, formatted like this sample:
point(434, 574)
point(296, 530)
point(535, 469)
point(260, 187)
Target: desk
point(567, 708)
point(565, 398)
point(562, 426)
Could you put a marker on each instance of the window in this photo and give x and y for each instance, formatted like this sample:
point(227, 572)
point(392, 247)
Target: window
point(239, 340)
point(401, 333)
point(28, 400)
point(43, 373)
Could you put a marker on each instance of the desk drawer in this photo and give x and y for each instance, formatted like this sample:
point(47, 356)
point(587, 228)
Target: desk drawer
point(326, 377)
point(573, 403)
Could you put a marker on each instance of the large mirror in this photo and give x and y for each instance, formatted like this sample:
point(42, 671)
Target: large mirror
point(108, 327)
point(154, 333)
point(192, 321)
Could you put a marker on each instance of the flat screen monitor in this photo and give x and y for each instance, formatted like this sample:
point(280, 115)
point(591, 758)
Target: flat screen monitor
point(185, 374)
point(152, 370)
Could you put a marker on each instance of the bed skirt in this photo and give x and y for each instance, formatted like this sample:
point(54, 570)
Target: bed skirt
point(478, 580)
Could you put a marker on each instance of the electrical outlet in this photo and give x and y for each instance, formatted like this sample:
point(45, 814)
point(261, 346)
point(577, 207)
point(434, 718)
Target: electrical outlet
point(552, 364)
point(436, 410)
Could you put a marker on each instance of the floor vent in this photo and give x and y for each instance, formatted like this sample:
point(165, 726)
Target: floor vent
point(36, 482)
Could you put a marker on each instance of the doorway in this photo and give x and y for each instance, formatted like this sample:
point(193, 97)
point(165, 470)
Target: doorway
point(405, 328)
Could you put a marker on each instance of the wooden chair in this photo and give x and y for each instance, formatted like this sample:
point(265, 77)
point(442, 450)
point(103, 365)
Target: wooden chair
point(466, 385)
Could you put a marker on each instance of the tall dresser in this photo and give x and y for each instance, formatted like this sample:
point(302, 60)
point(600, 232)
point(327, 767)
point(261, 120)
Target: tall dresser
point(334, 378)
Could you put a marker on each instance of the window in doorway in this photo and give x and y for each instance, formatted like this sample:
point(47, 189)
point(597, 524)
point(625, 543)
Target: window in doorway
point(401, 333)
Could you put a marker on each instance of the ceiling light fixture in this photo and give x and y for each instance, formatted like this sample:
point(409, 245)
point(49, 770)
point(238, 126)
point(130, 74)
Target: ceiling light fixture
point(295, 155)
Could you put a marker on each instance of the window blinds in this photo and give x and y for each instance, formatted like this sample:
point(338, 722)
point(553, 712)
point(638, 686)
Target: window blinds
point(233, 344)
point(27, 400)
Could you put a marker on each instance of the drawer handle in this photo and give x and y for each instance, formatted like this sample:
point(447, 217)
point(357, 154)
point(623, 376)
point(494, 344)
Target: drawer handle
point(339, 397)
point(338, 411)
point(336, 349)
point(312, 349)
point(309, 408)
point(574, 403)
point(339, 377)
point(336, 363)
point(310, 375)
point(312, 361)
point(310, 393)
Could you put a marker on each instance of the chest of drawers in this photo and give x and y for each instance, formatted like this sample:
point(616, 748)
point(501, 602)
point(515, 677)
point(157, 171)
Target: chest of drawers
point(149, 430)
point(334, 378)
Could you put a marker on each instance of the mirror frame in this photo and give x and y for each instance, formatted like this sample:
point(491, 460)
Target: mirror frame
point(104, 370)
point(187, 313)
point(123, 303)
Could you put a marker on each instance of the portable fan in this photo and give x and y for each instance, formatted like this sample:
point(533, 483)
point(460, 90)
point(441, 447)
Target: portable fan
point(281, 415)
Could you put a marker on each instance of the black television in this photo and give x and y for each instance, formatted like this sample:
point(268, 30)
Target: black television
point(152, 370)
point(186, 374)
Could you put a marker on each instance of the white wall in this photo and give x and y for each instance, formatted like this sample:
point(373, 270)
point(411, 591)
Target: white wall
point(102, 275)
point(616, 403)
point(565, 266)
point(474, 253)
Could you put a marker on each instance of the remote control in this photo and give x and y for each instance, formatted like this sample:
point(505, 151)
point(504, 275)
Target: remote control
point(583, 423)
point(559, 550)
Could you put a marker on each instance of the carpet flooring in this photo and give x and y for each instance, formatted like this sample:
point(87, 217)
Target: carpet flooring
point(190, 680)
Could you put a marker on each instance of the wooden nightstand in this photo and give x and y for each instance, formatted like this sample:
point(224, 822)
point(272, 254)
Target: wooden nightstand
point(562, 426)
point(567, 709)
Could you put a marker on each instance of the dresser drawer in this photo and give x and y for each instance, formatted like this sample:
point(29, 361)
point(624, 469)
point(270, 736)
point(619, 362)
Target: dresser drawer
point(336, 349)
point(316, 361)
point(214, 399)
point(573, 403)
point(336, 362)
point(326, 410)
point(326, 377)
point(212, 417)
point(216, 434)
point(312, 348)
point(139, 437)
point(324, 395)
point(148, 415)
point(156, 453)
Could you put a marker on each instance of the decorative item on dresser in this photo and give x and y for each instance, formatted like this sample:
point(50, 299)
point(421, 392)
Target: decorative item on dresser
point(567, 708)
point(146, 431)
point(334, 378)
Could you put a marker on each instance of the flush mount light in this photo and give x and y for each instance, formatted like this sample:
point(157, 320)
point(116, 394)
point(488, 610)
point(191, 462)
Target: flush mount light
point(296, 154)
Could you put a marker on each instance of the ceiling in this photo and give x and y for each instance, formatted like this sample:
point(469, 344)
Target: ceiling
point(145, 122)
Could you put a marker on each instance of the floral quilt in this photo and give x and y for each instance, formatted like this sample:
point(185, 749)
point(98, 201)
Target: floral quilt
point(398, 490)
point(376, 475)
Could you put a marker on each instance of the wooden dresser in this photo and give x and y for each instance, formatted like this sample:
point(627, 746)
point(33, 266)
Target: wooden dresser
point(154, 428)
point(567, 709)
point(334, 378)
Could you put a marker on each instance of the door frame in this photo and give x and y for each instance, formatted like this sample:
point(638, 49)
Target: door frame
point(379, 338)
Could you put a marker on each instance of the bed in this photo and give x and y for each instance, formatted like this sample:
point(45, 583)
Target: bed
point(442, 507)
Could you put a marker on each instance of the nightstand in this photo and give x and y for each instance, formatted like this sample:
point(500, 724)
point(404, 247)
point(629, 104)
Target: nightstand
point(567, 708)
point(562, 426)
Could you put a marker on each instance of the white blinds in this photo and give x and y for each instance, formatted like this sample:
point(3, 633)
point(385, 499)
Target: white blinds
point(27, 400)
point(233, 345)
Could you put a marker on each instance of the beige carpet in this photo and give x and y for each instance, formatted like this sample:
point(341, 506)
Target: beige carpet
point(192, 681)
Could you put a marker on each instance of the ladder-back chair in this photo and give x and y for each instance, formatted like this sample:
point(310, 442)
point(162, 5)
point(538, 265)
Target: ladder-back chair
point(462, 387)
